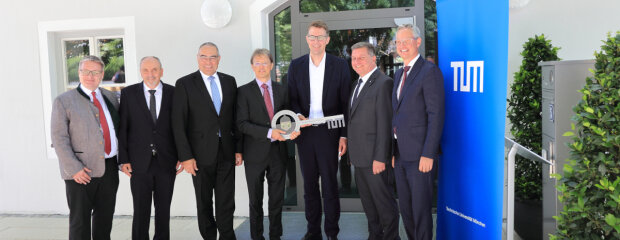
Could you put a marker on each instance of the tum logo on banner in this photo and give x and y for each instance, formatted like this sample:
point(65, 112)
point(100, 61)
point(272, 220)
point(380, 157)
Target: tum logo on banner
point(464, 85)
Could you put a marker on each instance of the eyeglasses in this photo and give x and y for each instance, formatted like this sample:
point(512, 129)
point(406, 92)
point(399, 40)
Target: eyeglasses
point(90, 73)
point(259, 64)
point(314, 38)
point(208, 58)
point(404, 42)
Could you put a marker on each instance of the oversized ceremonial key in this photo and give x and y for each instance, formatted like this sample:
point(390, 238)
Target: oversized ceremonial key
point(289, 122)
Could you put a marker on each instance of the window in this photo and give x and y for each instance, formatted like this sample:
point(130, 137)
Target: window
point(108, 48)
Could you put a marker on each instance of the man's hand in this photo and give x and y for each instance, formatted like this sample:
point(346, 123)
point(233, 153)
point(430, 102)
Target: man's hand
point(294, 135)
point(377, 167)
point(426, 164)
point(276, 134)
point(238, 159)
point(190, 166)
point(342, 146)
point(179, 167)
point(301, 117)
point(126, 168)
point(392, 161)
point(82, 177)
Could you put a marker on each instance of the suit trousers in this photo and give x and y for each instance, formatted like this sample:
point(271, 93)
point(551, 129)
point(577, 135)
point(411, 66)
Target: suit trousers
point(274, 169)
point(379, 203)
point(415, 196)
point(155, 185)
point(318, 157)
point(95, 200)
point(219, 178)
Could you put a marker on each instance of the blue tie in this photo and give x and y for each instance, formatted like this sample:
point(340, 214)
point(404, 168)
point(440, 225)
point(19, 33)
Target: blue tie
point(215, 95)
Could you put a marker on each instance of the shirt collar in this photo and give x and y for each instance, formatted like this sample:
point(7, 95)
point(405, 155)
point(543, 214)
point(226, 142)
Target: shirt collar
point(158, 88)
point(367, 76)
point(206, 77)
point(89, 92)
point(260, 84)
point(321, 64)
point(413, 62)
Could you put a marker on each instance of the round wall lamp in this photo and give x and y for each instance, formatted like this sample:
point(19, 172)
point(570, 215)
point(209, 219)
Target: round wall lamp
point(216, 13)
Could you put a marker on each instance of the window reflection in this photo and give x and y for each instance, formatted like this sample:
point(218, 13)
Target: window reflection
point(310, 6)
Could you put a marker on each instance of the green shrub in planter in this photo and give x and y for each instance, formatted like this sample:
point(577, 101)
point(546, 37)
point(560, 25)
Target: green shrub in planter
point(590, 187)
point(524, 112)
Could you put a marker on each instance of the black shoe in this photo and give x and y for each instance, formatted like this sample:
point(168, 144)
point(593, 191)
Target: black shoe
point(312, 236)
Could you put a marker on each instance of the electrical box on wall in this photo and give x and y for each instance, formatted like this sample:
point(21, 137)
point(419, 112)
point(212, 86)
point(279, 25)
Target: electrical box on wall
point(561, 82)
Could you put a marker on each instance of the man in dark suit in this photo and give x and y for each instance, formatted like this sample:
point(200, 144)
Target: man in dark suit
point(263, 147)
point(319, 86)
point(418, 105)
point(146, 148)
point(369, 123)
point(83, 129)
point(204, 130)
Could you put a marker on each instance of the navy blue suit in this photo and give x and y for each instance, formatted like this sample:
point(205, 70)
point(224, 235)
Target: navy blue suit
point(417, 122)
point(317, 145)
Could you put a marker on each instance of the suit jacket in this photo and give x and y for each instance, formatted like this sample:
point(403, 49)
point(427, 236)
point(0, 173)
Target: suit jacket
point(419, 113)
point(195, 123)
point(253, 120)
point(370, 121)
point(336, 87)
point(139, 136)
point(76, 132)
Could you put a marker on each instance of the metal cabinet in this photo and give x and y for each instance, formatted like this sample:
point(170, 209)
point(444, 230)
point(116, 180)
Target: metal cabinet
point(561, 81)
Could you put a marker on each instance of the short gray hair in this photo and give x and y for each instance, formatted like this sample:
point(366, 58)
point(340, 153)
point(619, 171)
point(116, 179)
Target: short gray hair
point(261, 52)
point(211, 45)
point(91, 58)
point(414, 29)
point(369, 47)
point(151, 57)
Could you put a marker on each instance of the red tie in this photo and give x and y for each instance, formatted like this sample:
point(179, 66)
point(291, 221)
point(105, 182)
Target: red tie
point(104, 125)
point(267, 99)
point(402, 83)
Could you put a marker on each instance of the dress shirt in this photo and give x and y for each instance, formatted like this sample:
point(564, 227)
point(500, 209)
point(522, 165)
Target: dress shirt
point(158, 93)
point(108, 118)
point(205, 78)
point(317, 76)
point(400, 85)
point(262, 91)
point(364, 80)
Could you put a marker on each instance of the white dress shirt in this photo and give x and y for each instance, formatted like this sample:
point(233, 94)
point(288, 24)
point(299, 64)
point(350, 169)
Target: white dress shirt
point(364, 80)
point(205, 78)
point(262, 91)
point(400, 85)
point(158, 93)
point(317, 76)
point(108, 118)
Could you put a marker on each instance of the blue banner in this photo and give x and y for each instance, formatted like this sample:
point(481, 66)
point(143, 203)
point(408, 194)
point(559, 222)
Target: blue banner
point(473, 57)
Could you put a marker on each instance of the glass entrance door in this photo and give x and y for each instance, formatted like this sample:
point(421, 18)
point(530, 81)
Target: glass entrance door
point(342, 37)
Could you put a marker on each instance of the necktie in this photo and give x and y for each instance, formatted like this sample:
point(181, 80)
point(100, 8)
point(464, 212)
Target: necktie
point(357, 90)
point(153, 106)
point(104, 125)
point(215, 95)
point(267, 99)
point(402, 83)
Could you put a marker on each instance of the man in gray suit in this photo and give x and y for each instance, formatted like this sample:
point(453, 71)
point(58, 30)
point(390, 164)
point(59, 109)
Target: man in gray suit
point(369, 122)
point(84, 123)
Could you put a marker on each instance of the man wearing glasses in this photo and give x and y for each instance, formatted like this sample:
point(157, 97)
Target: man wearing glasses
point(318, 85)
point(417, 123)
point(206, 139)
point(83, 129)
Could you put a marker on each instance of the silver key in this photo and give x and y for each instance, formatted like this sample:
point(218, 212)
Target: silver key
point(289, 122)
point(336, 121)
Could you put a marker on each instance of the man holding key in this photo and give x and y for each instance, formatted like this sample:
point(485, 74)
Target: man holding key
point(318, 85)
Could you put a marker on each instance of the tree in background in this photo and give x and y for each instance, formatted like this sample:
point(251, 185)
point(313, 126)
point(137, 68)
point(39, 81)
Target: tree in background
point(524, 113)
